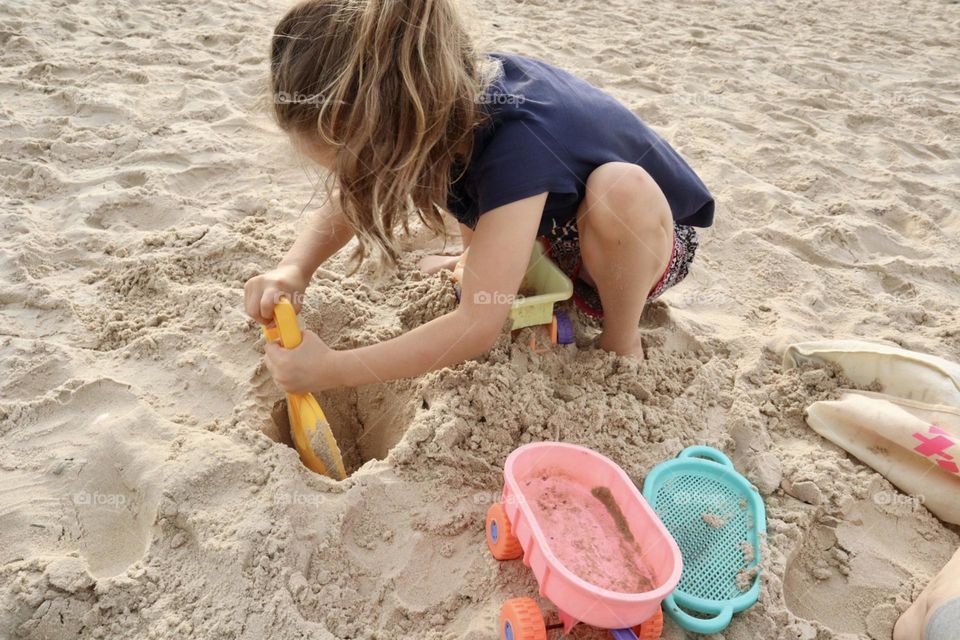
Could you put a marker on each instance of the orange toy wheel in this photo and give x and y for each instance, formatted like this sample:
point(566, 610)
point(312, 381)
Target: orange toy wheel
point(520, 619)
point(500, 539)
point(652, 628)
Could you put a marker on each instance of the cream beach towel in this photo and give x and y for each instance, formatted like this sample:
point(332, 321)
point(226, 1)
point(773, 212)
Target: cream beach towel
point(901, 373)
point(910, 433)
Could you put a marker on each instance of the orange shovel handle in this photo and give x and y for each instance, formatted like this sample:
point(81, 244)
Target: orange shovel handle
point(285, 328)
point(304, 412)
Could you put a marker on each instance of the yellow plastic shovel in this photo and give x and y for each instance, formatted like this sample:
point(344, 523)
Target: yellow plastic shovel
point(309, 429)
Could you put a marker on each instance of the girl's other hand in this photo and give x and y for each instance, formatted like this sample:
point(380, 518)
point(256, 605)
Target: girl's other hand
point(261, 293)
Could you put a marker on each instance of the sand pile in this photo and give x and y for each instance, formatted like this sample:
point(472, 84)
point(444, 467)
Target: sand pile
point(142, 186)
point(154, 526)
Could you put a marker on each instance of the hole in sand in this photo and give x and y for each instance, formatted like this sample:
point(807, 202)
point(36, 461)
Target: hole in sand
point(367, 422)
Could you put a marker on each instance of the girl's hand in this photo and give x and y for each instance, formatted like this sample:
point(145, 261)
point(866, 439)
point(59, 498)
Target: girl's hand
point(308, 367)
point(261, 293)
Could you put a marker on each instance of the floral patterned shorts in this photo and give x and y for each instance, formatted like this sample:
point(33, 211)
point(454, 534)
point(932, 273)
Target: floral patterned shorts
point(563, 246)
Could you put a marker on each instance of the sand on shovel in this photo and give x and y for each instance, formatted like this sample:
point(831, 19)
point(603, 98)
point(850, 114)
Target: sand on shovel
point(278, 430)
point(321, 441)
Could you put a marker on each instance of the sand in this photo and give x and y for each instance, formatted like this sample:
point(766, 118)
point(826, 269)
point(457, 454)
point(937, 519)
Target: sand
point(142, 184)
point(588, 533)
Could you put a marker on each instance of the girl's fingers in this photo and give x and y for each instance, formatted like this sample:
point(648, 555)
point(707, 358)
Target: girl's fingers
point(268, 300)
point(250, 298)
point(273, 358)
point(269, 357)
point(268, 350)
point(252, 305)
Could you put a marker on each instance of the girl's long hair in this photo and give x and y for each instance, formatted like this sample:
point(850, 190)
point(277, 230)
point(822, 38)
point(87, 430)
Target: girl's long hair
point(393, 88)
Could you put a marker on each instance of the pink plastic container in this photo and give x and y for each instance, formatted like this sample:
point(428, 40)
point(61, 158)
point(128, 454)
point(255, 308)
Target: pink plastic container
point(597, 549)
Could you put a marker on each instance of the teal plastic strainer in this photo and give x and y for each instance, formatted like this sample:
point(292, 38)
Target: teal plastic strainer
point(716, 517)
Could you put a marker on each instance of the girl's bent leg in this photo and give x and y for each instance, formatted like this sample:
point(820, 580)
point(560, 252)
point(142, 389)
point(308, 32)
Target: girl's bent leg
point(626, 240)
point(934, 615)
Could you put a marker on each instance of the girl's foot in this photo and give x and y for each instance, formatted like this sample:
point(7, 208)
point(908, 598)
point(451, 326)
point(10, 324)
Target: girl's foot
point(631, 346)
point(435, 264)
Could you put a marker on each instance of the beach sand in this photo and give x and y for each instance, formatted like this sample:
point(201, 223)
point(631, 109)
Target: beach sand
point(142, 183)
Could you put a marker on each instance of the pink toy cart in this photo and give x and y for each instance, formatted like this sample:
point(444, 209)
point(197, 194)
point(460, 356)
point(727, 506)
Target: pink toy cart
point(597, 549)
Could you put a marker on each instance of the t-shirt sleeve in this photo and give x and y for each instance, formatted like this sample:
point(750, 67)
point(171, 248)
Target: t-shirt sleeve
point(521, 160)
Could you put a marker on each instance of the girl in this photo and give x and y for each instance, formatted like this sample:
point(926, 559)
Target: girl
point(391, 97)
point(935, 615)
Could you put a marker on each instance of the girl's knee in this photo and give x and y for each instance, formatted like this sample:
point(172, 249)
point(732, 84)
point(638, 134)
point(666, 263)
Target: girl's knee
point(620, 194)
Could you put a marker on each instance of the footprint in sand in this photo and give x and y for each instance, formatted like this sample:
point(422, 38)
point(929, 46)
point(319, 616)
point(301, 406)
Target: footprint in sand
point(115, 504)
point(844, 576)
point(102, 450)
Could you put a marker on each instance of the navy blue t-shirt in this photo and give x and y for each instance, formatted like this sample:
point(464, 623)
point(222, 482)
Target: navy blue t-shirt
point(547, 131)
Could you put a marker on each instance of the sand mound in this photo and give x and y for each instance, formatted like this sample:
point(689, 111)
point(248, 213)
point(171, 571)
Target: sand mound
point(141, 186)
point(181, 528)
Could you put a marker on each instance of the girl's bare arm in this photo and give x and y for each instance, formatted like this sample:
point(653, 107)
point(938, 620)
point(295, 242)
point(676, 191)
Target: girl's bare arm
point(499, 253)
point(325, 233)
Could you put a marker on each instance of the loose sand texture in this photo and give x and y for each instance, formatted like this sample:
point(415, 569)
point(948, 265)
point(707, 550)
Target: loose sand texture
point(141, 184)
